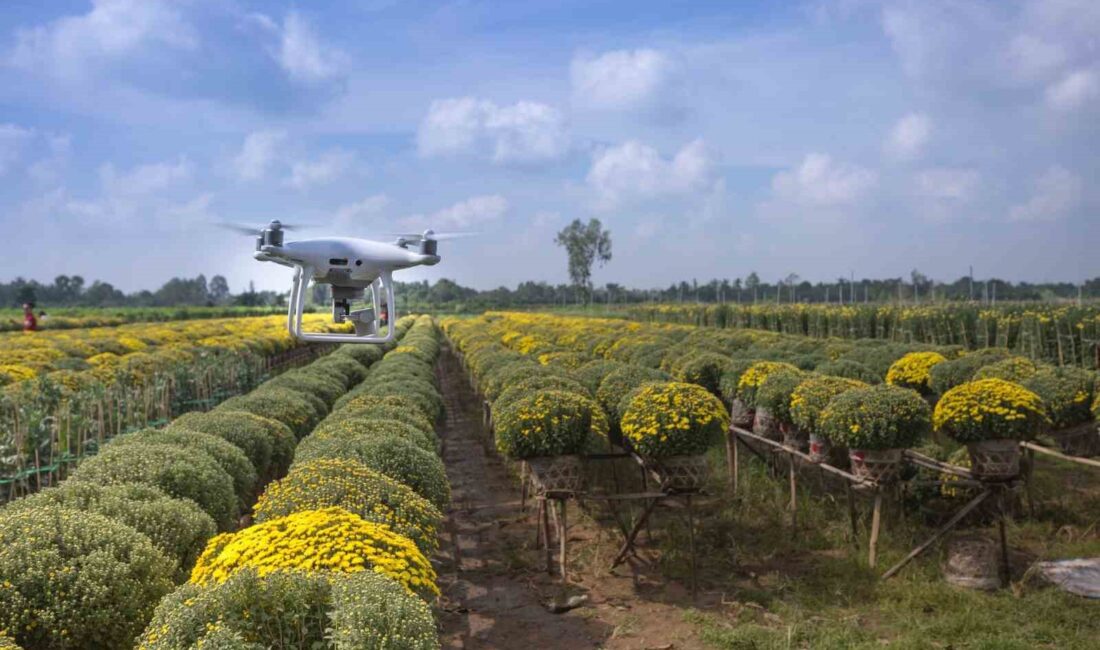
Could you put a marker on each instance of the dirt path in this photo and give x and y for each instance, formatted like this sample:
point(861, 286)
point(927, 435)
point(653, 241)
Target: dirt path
point(494, 593)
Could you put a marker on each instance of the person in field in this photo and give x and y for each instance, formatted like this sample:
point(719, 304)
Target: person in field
point(30, 322)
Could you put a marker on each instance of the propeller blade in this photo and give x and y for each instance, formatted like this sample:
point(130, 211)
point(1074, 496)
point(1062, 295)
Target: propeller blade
point(443, 236)
point(239, 228)
point(435, 236)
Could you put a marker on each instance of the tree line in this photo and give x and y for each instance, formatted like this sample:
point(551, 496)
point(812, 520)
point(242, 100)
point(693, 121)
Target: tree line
point(73, 291)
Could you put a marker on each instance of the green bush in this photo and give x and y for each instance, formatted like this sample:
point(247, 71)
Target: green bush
point(750, 381)
point(620, 383)
point(532, 384)
point(1066, 392)
point(347, 370)
point(290, 611)
point(810, 398)
point(182, 473)
point(1014, 369)
point(953, 372)
point(774, 393)
point(592, 373)
point(674, 419)
point(310, 380)
point(853, 370)
point(705, 369)
point(282, 437)
point(366, 427)
point(401, 460)
point(876, 417)
point(549, 423)
point(76, 580)
point(731, 377)
point(411, 416)
point(323, 482)
point(427, 398)
point(320, 408)
point(178, 527)
point(512, 373)
point(365, 355)
point(237, 428)
point(228, 457)
point(286, 406)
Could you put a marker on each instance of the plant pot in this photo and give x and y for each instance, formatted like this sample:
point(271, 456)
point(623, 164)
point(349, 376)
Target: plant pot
point(741, 416)
point(686, 473)
point(793, 437)
point(995, 460)
point(766, 426)
point(1082, 440)
point(877, 465)
point(557, 473)
point(819, 448)
point(973, 562)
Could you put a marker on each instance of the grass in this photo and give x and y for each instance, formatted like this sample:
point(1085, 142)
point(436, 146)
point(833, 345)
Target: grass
point(813, 588)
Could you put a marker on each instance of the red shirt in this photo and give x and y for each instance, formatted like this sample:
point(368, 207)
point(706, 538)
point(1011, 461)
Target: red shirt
point(30, 323)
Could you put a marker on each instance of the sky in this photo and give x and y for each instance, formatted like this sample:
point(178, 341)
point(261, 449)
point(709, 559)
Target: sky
point(820, 138)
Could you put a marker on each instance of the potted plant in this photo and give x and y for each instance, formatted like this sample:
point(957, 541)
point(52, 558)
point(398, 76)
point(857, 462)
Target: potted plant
point(1068, 394)
point(774, 397)
point(914, 371)
point(876, 423)
point(550, 429)
point(748, 385)
point(673, 424)
point(991, 416)
point(808, 401)
point(741, 416)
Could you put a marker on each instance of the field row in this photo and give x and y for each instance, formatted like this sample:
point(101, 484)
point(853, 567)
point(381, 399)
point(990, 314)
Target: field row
point(64, 318)
point(334, 553)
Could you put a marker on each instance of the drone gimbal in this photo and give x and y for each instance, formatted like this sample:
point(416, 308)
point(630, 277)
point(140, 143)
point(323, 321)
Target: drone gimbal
point(365, 321)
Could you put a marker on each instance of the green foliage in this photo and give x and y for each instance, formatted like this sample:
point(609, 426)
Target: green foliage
point(280, 404)
point(424, 394)
point(953, 372)
point(291, 611)
point(774, 393)
point(548, 423)
point(237, 428)
point(348, 370)
point(731, 377)
point(810, 398)
point(77, 580)
point(228, 457)
point(178, 527)
point(592, 373)
point(530, 385)
point(852, 370)
point(877, 417)
point(313, 381)
point(1066, 392)
point(584, 244)
point(620, 383)
point(366, 355)
point(1014, 369)
point(367, 426)
point(673, 419)
point(179, 472)
point(705, 369)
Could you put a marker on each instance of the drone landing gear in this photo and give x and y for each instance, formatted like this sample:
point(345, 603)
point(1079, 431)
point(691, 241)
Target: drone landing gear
point(365, 320)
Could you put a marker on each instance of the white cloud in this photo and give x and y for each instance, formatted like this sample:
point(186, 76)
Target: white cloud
point(257, 153)
point(145, 179)
point(909, 136)
point(947, 183)
point(620, 79)
point(1073, 90)
point(110, 30)
point(12, 141)
point(473, 211)
point(633, 170)
point(49, 168)
point(330, 166)
point(353, 215)
point(1058, 192)
point(1033, 58)
point(819, 181)
point(524, 132)
point(300, 52)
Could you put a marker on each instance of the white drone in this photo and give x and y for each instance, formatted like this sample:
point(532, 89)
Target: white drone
point(351, 266)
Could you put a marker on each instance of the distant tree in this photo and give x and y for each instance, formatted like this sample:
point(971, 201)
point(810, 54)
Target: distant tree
point(584, 244)
point(752, 281)
point(25, 294)
point(218, 290)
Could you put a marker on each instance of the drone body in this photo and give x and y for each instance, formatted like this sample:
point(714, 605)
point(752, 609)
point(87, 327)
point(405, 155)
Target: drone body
point(351, 266)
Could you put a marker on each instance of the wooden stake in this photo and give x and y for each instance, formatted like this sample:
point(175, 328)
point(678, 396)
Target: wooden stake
point(951, 523)
point(793, 475)
point(876, 522)
point(562, 538)
point(852, 514)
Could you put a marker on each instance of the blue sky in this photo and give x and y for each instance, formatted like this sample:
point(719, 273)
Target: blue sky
point(712, 138)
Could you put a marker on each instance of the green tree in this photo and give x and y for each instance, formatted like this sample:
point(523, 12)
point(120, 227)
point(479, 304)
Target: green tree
point(585, 244)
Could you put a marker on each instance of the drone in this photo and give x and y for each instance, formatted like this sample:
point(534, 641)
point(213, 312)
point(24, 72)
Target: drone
point(351, 266)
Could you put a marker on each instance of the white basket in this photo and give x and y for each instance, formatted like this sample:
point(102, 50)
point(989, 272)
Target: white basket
point(683, 473)
point(995, 460)
point(877, 465)
point(557, 473)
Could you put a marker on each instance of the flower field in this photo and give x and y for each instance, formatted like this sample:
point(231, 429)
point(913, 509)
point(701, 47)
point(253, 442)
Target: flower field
point(1065, 335)
point(64, 318)
point(65, 392)
point(336, 552)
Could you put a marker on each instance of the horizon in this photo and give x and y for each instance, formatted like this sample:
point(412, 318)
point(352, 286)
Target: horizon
point(820, 138)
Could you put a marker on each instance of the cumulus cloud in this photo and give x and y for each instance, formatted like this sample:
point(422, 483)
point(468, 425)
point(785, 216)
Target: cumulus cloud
point(257, 154)
point(145, 179)
point(621, 79)
point(471, 212)
point(1073, 90)
point(111, 30)
point(142, 193)
point(49, 168)
point(1057, 192)
point(13, 139)
point(819, 181)
point(947, 183)
point(331, 165)
point(300, 51)
point(909, 136)
point(355, 214)
point(634, 171)
point(524, 132)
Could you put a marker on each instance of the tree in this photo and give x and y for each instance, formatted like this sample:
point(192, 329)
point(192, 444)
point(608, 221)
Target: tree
point(219, 290)
point(584, 244)
point(752, 282)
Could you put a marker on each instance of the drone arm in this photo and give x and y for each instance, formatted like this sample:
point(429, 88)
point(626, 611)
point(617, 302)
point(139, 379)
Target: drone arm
point(297, 307)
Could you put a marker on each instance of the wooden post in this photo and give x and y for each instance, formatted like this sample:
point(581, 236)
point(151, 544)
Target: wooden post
point(736, 462)
point(1006, 570)
point(546, 506)
point(793, 475)
point(731, 460)
point(691, 544)
point(951, 523)
point(562, 543)
point(876, 522)
point(852, 513)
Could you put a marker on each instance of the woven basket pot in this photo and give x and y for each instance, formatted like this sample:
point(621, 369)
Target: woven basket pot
point(819, 448)
point(1082, 440)
point(557, 473)
point(683, 473)
point(741, 416)
point(878, 465)
point(972, 562)
point(994, 460)
point(766, 426)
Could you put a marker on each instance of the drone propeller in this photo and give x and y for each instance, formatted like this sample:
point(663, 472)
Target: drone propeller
point(252, 231)
point(429, 235)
